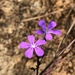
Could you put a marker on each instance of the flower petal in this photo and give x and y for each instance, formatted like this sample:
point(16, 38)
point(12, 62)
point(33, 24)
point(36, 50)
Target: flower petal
point(29, 53)
point(40, 42)
point(24, 45)
point(39, 32)
point(52, 24)
point(42, 24)
point(48, 36)
point(56, 32)
point(31, 39)
point(39, 51)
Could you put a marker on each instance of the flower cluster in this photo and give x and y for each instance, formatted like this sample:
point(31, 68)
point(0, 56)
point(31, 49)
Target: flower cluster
point(34, 46)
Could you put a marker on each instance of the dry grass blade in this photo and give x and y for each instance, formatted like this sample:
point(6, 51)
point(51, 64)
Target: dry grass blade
point(29, 19)
point(59, 59)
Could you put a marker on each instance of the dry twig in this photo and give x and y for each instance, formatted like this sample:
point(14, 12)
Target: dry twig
point(29, 19)
point(59, 59)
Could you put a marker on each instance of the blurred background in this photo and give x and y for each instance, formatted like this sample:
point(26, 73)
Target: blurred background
point(19, 18)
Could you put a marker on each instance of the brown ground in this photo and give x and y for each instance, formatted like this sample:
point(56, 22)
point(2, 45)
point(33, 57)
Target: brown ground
point(18, 18)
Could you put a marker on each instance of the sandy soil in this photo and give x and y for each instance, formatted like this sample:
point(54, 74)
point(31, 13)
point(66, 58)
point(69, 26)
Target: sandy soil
point(19, 18)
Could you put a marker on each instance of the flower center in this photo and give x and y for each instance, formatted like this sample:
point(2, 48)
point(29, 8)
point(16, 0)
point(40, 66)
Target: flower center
point(33, 45)
point(47, 31)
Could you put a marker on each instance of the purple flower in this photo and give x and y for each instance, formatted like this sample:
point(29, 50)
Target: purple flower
point(48, 31)
point(33, 46)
